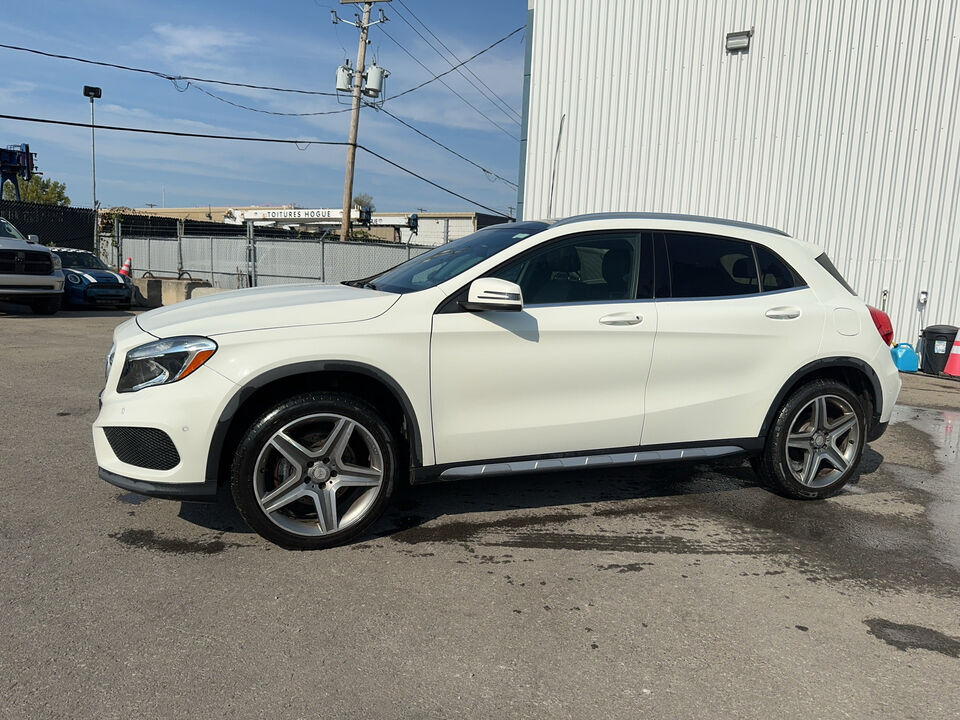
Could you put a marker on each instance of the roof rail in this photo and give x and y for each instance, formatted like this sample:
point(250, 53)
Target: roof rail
point(670, 216)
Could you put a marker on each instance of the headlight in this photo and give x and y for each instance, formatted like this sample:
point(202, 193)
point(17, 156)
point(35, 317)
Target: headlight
point(164, 361)
point(74, 279)
point(109, 363)
point(57, 263)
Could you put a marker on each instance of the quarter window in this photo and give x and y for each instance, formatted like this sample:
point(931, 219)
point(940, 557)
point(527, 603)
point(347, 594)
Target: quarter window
point(710, 266)
point(774, 273)
point(595, 267)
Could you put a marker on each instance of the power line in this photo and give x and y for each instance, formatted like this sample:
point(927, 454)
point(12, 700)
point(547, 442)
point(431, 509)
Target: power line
point(260, 110)
point(163, 75)
point(431, 182)
point(245, 138)
point(503, 106)
point(440, 144)
point(452, 69)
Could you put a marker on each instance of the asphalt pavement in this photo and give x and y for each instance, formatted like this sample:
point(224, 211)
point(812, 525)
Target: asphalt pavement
point(663, 592)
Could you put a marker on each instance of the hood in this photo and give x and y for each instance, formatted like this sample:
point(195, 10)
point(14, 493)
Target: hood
point(266, 307)
point(7, 243)
point(96, 276)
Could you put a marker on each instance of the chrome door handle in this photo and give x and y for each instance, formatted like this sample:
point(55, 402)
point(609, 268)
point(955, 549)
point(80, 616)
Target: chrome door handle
point(621, 318)
point(783, 313)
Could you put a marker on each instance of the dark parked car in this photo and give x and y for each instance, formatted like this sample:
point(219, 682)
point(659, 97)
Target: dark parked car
point(90, 282)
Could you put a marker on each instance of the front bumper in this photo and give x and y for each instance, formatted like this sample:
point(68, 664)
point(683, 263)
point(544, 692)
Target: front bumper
point(30, 286)
point(187, 412)
point(187, 492)
point(93, 295)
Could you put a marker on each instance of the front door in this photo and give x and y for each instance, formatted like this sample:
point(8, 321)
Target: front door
point(565, 375)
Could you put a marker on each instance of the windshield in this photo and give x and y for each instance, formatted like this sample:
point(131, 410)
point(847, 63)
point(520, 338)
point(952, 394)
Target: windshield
point(9, 231)
point(447, 261)
point(81, 260)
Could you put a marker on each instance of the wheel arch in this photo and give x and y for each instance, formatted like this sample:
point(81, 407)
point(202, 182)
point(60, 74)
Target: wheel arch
point(361, 380)
point(856, 374)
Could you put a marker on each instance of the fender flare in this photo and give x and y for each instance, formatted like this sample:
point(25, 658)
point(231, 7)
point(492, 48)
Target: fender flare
point(304, 368)
point(825, 364)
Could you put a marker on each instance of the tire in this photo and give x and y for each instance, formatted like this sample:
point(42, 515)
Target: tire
point(816, 442)
point(46, 306)
point(315, 471)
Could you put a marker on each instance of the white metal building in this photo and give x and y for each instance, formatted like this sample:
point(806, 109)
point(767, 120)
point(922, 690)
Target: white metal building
point(839, 124)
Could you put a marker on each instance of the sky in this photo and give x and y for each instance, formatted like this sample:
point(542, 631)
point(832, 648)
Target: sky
point(284, 43)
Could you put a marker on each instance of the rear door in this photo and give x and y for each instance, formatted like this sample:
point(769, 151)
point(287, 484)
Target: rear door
point(565, 375)
point(734, 322)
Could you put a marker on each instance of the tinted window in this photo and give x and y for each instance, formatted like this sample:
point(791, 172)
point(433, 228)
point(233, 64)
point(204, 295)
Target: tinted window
point(594, 267)
point(710, 266)
point(775, 274)
point(828, 266)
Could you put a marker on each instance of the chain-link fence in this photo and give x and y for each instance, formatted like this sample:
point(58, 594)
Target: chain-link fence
point(236, 261)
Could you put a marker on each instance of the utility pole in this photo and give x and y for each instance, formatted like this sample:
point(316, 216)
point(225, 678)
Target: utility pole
point(363, 25)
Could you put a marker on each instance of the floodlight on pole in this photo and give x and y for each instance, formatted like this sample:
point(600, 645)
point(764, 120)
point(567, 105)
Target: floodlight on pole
point(93, 92)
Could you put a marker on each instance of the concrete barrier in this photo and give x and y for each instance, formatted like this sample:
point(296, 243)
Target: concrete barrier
point(154, 292)
point(204, 291)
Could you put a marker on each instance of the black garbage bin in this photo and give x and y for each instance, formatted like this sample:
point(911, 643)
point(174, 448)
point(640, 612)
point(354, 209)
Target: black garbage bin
point(936, 342)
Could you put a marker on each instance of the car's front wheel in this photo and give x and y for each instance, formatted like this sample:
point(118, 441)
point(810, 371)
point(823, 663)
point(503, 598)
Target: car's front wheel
point(314, 471)
point(46, 306)
point(816, 441)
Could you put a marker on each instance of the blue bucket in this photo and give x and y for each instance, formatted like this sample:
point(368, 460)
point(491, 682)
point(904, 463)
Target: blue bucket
point(905, 357)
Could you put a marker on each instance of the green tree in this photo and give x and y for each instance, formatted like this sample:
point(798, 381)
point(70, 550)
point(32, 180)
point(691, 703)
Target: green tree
point(364, 200)
point(38, 190)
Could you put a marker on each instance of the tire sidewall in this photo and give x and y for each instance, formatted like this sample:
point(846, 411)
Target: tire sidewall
point(774, 462)
point(257, 435)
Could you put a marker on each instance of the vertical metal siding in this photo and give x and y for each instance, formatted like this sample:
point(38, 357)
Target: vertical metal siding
point(840, 126)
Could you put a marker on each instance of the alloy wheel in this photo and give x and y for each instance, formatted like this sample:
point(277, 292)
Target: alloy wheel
point(823, 441)
point(318, 474)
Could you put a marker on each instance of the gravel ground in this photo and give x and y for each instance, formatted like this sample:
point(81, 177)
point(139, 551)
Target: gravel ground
point(672, 591)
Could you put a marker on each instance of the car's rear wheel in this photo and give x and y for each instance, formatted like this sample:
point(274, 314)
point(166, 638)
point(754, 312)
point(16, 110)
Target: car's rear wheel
point(45, 306)
point(314, 471)
point(816, 441)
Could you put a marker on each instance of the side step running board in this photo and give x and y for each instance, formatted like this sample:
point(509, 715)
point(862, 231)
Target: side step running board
point(588, 461)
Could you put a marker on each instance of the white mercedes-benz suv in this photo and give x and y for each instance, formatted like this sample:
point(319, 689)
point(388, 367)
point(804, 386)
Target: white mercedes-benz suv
point(599, 340)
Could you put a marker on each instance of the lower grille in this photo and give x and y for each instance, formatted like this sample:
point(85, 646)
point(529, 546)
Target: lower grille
point(144, 447)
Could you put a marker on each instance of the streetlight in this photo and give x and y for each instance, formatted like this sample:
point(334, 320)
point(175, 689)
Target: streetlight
point(93, 92)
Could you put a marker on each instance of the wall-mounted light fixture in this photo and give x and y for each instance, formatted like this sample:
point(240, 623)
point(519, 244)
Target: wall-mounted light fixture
point(739, 42)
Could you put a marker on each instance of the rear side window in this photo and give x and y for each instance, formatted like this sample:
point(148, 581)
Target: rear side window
point(775, 274)
point(828, 266)
point(710, 266)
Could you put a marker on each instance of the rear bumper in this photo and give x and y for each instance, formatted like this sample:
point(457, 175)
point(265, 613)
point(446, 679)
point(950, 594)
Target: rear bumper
point(187, 492)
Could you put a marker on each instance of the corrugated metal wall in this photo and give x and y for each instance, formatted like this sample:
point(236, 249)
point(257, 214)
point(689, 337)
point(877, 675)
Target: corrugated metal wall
point(840, 126)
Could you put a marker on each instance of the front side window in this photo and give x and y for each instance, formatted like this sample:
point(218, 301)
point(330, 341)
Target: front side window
point(594, 267)
point(704, 266)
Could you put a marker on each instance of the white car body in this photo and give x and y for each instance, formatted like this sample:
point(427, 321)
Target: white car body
point(28, 271)
point(554, 386)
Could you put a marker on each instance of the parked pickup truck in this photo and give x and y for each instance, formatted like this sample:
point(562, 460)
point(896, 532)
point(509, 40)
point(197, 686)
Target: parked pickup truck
point(29, 273)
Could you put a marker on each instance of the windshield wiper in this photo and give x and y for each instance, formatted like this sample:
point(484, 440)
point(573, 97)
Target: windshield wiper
point(369, 286)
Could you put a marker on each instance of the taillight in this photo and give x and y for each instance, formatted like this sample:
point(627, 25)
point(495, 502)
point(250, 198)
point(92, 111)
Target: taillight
point(882, 321)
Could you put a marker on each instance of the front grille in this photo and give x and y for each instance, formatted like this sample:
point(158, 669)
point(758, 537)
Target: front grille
point(144, 447)
point(25, 262)
point(107, 286)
